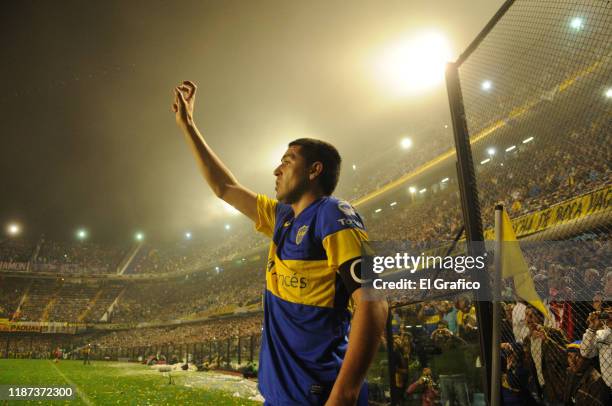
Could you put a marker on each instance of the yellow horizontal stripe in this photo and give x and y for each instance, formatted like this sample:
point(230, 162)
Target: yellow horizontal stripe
point(303, 282)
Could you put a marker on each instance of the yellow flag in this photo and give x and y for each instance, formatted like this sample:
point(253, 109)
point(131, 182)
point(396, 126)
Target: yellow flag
point(514, 266)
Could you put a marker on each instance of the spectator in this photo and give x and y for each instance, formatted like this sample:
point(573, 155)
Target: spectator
point(583, 384)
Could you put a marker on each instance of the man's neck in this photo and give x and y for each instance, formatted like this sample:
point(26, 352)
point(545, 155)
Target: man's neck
point(305, 201)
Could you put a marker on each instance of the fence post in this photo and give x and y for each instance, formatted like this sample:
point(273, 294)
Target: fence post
point(470, 208)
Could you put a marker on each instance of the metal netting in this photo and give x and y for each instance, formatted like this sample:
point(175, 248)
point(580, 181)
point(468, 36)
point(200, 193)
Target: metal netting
point(537, 96)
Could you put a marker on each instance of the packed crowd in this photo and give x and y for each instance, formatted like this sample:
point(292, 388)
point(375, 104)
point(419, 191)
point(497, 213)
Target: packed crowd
point(200, 294)
point(216, 329)
point(38, 346)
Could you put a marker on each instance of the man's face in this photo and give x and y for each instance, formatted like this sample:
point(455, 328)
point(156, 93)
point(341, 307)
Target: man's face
point(531, 320)
point(574, 361)
point(291, 176)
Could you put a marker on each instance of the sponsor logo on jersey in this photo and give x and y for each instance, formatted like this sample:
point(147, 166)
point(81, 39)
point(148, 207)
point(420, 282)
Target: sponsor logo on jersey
point(346, 208)
point(300, 234)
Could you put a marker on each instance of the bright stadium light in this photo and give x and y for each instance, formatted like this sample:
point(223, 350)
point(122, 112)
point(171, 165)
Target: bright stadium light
point(609, 93)
point(526, 140)
point(484, 161)
point(510, 148)
point(487, 85)
point(392, 204)
point(414, 64)
point(412, 189)
point(491, 151)
point(577, 23)
point(13, 229)
point(377, 210)
point(354, 167)
point(406, 143)
point(188, 235)
point(444, 180)
point(217, 269)
point(423, 190)
point(227, 226)
point(139, 236)
point(81, 234)
point(445, 125)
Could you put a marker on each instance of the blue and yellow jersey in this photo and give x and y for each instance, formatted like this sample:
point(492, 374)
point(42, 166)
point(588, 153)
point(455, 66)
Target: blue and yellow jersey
point(306, 317)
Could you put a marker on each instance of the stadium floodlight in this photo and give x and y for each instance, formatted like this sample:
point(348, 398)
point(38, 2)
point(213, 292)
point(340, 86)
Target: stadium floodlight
point(445, 125)
point(487, 85)
point(609, 93)
point(227, 226)
point(412, 189)
point(577, 23)
point(377, 210)
point(139, 236)
point(392, 204)
point(510, 148)
point(217, 269)
point(526, 140)
point(13, 229)
point(423, 190)
point(491, 151)
point(354, 167)
point(484, 161)
point(188, 235)
point(414, 64)
point(406, 143)
point(444, 180)
point(81, 234)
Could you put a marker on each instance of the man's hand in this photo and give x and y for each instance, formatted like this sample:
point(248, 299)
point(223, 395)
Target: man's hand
point(538, 332)
point(366, 327)
point(184, 100)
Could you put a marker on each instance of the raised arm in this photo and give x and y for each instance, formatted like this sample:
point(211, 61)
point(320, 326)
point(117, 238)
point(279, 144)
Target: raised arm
point(222, 182)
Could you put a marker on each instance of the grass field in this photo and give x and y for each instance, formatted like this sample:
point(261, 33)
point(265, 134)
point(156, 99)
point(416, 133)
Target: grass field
point(113, 383)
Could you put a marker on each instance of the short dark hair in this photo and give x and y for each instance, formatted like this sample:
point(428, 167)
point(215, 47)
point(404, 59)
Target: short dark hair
point(320, 151)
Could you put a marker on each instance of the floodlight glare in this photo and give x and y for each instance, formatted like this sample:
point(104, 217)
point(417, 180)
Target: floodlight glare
point(609, 93)
point(13, 229)
point(139, 236)
point(491, 151)
point(412, 189)
point(577, 23)
point(487, 85)
point(406, 143)
point(82, 234)
point(354, 167)
point(414, 64)
point(188, 235)
point(227, 226)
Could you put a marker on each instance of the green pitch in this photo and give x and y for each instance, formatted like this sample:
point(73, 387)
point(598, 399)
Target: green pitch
point(113, 383)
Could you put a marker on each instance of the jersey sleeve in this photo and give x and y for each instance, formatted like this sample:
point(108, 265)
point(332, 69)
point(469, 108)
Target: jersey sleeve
point(266, 215)
point(342, 233)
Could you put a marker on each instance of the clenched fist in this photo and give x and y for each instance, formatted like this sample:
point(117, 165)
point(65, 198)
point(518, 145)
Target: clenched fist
point(184, 100)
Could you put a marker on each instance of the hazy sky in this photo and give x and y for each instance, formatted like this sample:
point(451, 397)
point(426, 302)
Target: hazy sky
point(87, 136)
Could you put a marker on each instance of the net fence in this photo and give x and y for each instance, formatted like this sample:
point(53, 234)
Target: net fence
point(537, 97)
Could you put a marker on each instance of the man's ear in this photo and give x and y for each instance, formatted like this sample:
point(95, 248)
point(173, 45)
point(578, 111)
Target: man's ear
point(315, 170)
